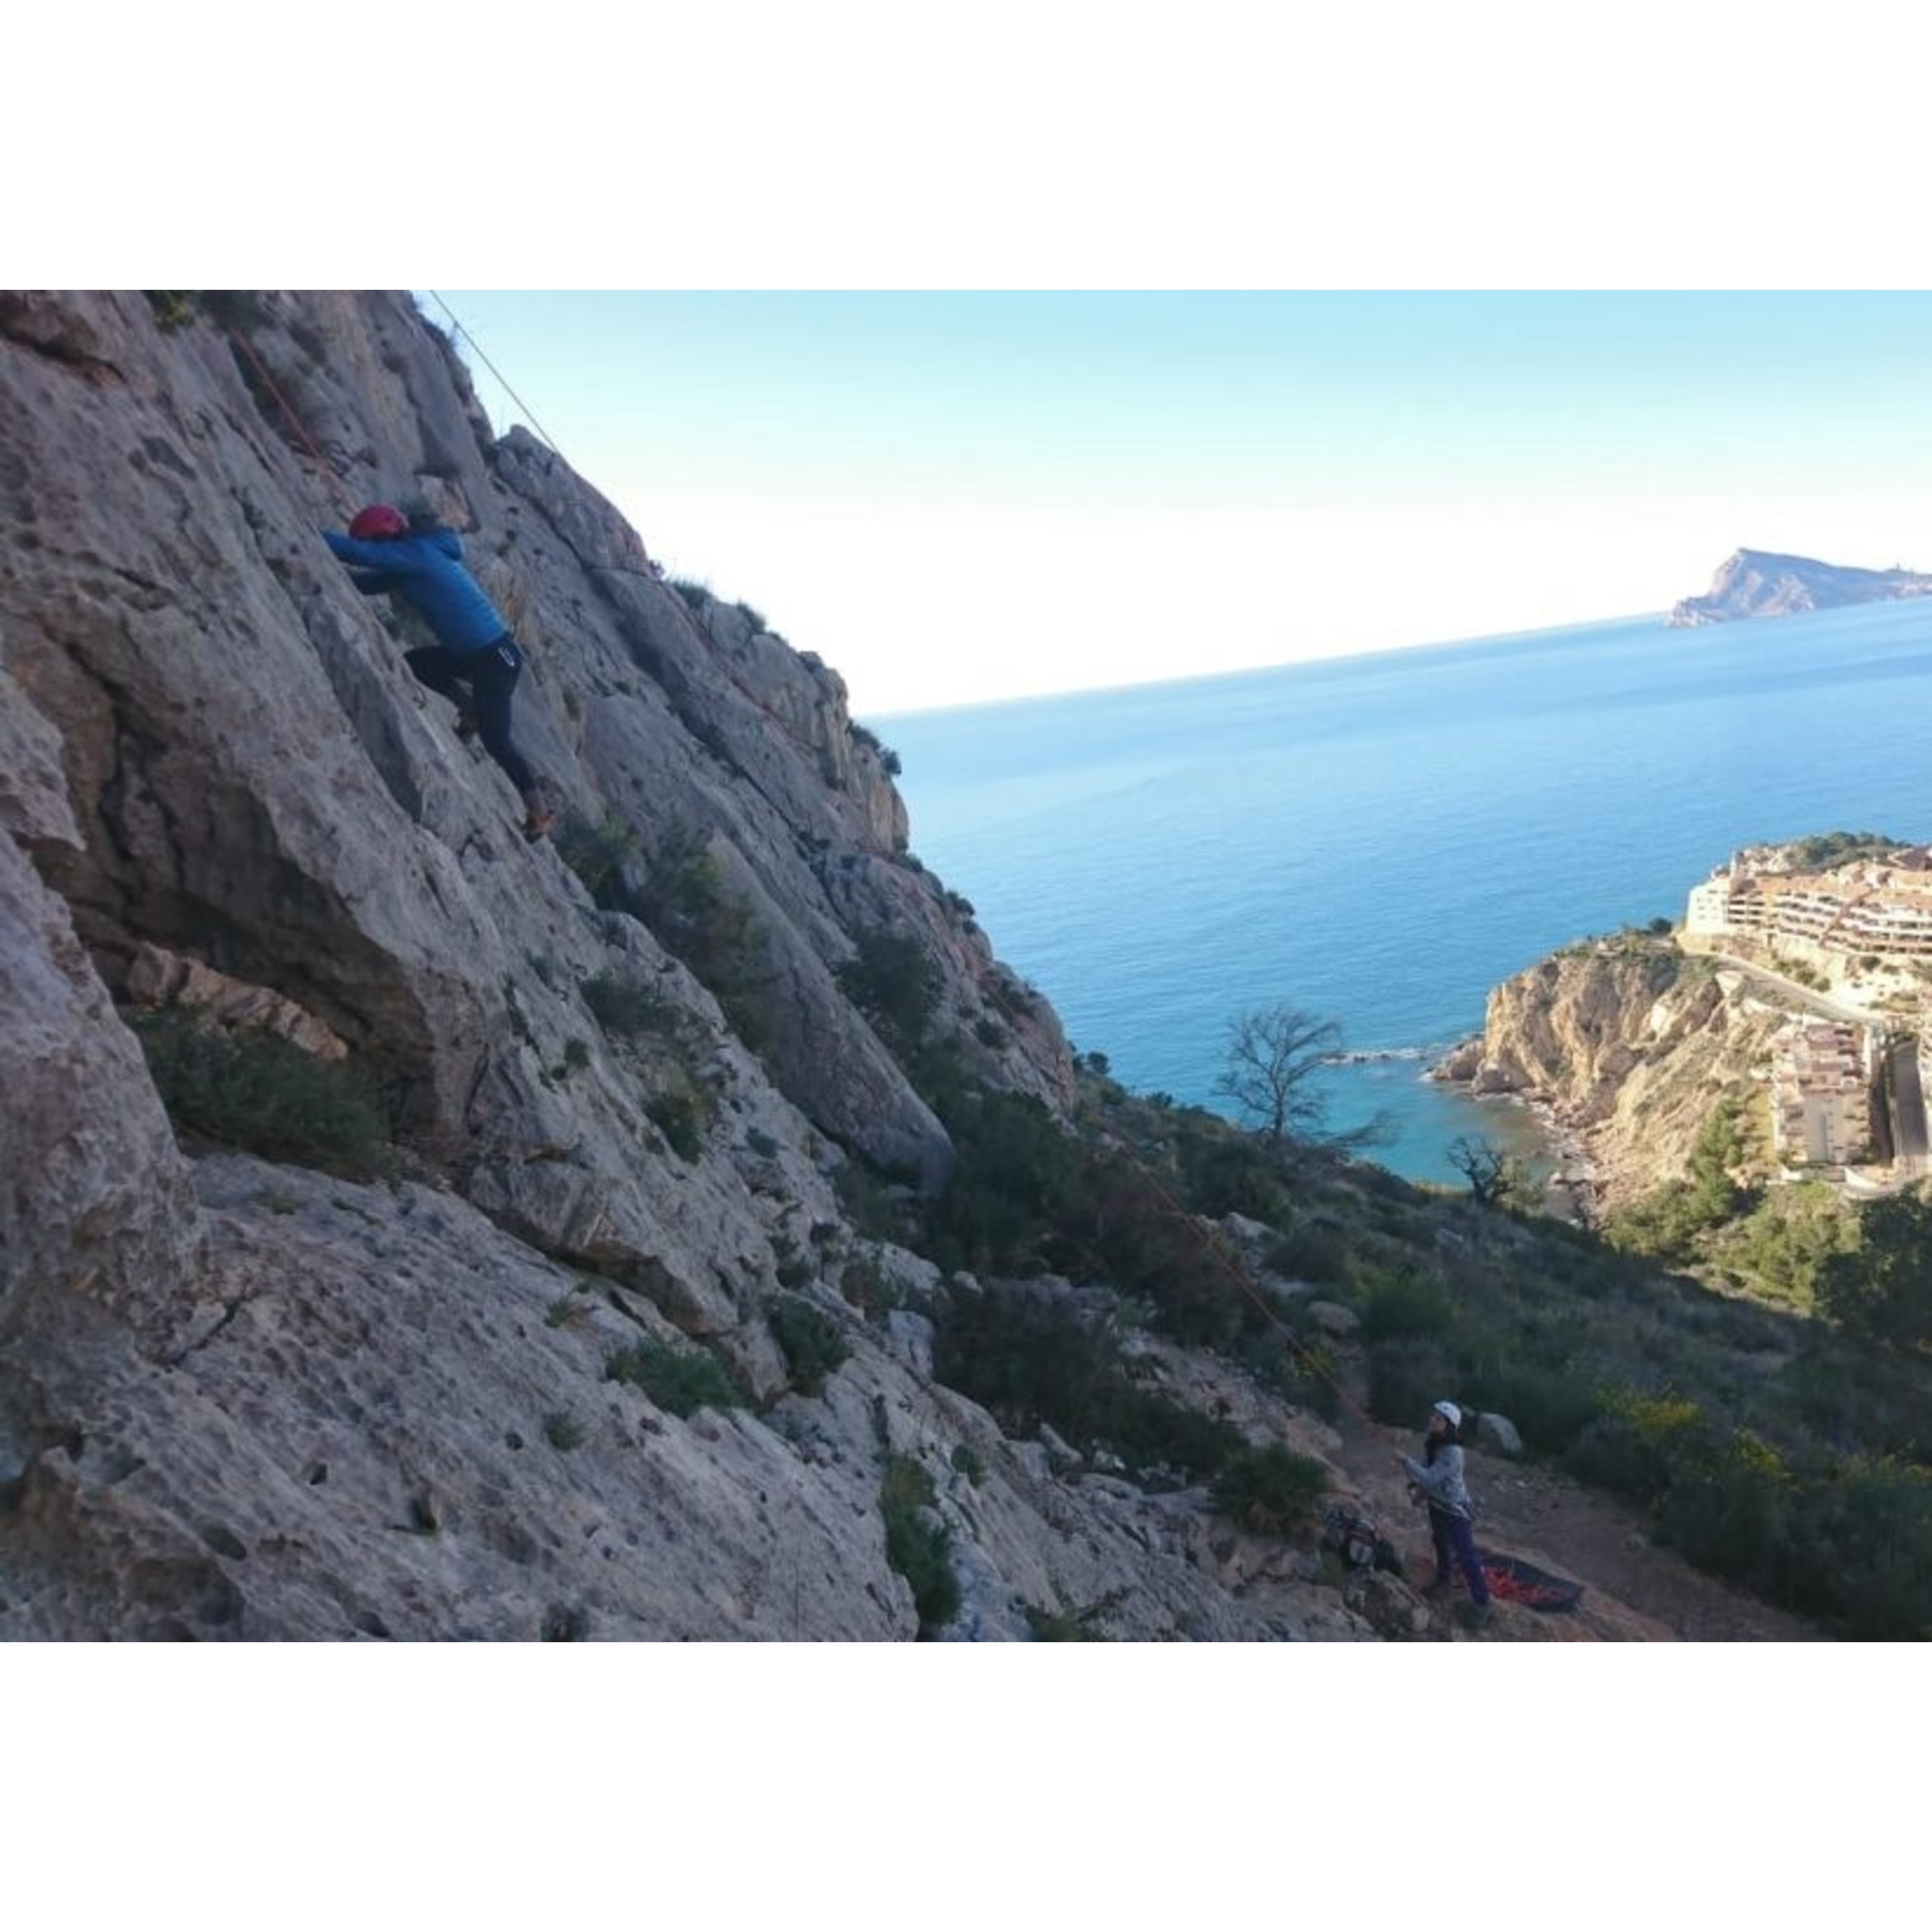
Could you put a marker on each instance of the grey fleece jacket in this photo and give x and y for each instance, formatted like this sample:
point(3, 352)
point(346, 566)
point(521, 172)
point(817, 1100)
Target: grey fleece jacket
point(1441, 1481)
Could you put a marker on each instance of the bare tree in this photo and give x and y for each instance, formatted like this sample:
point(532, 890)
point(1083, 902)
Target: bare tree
point(1496, 1177)
point(1272, 1053)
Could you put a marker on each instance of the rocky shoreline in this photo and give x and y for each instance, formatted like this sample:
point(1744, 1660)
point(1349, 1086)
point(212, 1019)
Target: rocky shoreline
point(1572, 1190)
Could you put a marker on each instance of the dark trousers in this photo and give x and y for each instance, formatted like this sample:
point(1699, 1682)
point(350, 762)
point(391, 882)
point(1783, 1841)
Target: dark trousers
point(1454, 1534)
point(481, 682)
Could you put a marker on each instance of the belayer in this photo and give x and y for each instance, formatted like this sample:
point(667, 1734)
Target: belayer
point(474, 661)
point(1437, 1479)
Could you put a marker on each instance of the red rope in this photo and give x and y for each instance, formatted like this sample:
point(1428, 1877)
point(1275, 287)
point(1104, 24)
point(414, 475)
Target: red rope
point(240, 341)
point(1235, 1273)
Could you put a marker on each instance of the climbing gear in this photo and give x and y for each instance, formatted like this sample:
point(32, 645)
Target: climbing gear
point(1450, 1414)
point(1357, 1540)
point(378, 520)
point(539, 825)
point(1352, 1537)
point(1512, 1580)
point(467, 725)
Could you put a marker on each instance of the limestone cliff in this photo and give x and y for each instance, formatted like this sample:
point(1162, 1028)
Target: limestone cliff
point(1761, 583)
point(248, 1398)
point(1628, 1044)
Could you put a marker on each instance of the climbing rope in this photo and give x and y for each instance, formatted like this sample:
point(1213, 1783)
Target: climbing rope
point(237, 340)
point(482, 356)
point(1238, 1275)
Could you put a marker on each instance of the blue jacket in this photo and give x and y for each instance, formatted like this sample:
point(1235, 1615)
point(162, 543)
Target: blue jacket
point(425, 569)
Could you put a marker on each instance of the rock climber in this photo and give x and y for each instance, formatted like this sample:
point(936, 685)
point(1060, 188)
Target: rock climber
point(1437, 1479)
point(474, 661)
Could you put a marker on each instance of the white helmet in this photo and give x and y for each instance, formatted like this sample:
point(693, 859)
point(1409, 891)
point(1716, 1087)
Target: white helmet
point(1450, 1414)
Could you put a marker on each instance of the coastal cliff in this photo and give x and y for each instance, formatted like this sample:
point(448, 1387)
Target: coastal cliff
point(1763, 583)
point(411, 1232)
point(1625, 1046)
point(688, 1229)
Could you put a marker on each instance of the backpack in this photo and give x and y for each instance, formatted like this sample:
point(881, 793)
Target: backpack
point(1357, 1541)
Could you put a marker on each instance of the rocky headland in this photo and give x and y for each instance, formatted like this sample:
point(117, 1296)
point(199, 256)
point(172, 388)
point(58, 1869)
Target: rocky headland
point(1763, 583)
point(1625, 1046)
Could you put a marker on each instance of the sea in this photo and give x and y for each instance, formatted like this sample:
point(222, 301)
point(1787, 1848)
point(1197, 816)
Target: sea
point(1378, 840)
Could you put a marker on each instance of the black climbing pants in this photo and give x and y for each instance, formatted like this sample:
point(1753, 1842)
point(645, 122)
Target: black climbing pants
point(1454, 1536)
point(481, 681)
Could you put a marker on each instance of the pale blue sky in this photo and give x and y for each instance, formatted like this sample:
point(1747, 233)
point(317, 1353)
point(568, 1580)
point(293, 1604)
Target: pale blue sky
point(955, 498)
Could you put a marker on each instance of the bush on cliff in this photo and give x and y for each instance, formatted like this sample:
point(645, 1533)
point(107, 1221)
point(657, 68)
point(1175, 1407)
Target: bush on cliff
point(265, 1097)
point(679, 1381)
point(1273, 1490)
point(919, 1546)
point(893, 982)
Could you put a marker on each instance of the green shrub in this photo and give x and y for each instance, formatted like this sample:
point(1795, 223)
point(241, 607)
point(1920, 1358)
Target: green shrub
point(867, 1287)
point(1063, 1626)
point(865, 1196)
point(571, 1310)
point(173, 308)
point(265, 1097)
point(1635, 1443)
point(1729, 1508)
point(794, 1267)
point(1877, 1287)
point(1407, 1377)
point(888, 759)
point(681, 1114)
point(679, 1381)
point(1015, 1171)
point(1033, 1357)
point(1302, 1367)
point(1551, 1407)
point(626, 1005)
point(893, 982)
point(1309, 1253)
point(1866, 1553)
point(1222, 1172)
point(811, 1342)
point(685, 901)
point(1272, 1491)
point(918, 1545)
point(598, 854)
point(562, 1431)
point(969, 1463)
point(1401, 1303)
point(1776, 1252)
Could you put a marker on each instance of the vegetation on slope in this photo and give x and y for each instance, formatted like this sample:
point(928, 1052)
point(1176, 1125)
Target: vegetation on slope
point(1775, 1420)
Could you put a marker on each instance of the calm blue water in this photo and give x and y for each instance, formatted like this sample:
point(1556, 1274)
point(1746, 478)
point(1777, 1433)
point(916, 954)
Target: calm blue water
point(1381, 839)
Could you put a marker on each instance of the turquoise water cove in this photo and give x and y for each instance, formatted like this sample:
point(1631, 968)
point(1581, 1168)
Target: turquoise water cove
point(1380, 839)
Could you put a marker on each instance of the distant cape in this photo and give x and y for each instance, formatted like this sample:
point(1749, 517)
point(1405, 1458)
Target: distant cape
point(1761, 584)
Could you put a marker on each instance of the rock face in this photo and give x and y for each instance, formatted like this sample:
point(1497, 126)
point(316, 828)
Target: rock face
point(1760, 583)
point(241, 1398)
point(1629, 1045)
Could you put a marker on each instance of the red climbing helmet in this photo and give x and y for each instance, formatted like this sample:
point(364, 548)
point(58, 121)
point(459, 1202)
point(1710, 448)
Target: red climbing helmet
point(379, 520)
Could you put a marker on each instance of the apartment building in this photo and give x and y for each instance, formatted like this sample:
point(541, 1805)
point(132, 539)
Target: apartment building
point(1881, 907)
point(1823, 1094)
